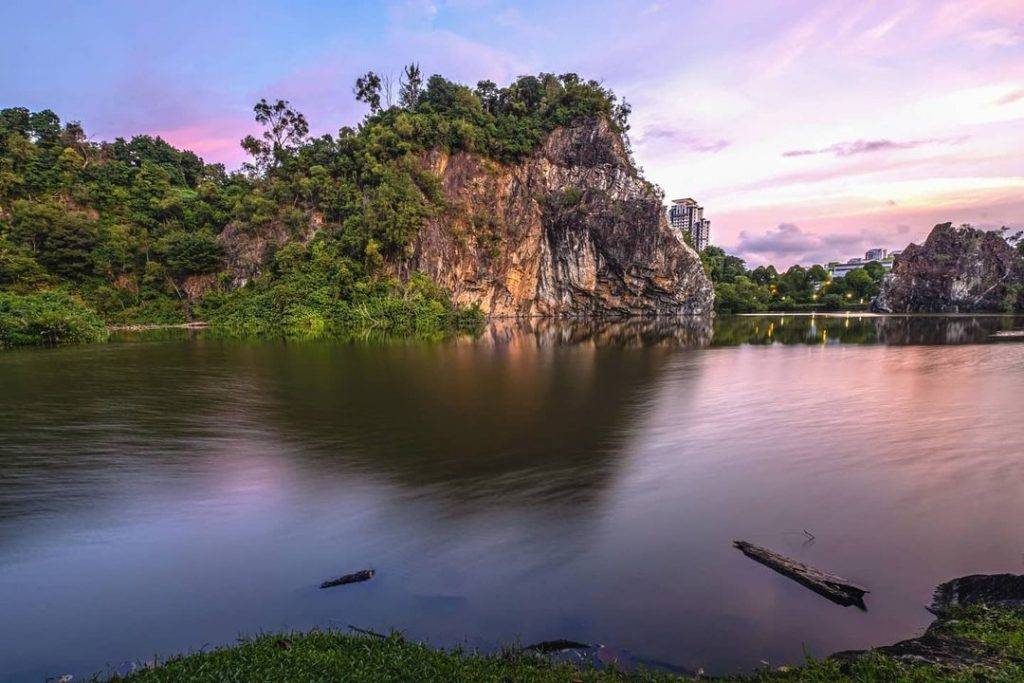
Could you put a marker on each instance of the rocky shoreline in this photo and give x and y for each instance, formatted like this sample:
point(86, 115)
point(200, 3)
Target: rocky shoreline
point(168, 326)
point(978, 635)
point(942, 645)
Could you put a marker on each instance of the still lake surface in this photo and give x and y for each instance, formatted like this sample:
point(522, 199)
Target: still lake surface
point(171, 492)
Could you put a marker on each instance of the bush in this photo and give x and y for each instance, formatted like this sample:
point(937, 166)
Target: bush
point(50, 317)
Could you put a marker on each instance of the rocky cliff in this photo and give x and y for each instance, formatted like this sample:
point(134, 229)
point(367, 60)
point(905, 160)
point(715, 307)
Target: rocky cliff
point(573, 230)
point(956, 270)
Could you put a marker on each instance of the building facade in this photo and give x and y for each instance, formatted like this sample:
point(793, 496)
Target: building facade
point(687, 216)
point(837, 270)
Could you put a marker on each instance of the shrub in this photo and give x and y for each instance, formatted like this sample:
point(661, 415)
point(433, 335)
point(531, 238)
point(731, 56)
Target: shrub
point(50, 317)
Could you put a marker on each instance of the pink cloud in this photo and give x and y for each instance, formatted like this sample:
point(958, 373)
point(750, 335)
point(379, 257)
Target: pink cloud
point(673, 139)
point(216, 141)
point(838, 236)
point(1012, 97)
point(845, 149)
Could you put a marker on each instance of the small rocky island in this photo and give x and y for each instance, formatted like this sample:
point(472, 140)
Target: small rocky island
point(956, 270)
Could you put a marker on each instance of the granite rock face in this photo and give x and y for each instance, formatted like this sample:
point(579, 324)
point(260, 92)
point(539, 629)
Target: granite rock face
point(571, 231)
point(956, 270)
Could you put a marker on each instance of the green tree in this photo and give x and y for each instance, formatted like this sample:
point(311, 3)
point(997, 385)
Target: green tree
point(190, 253)
point(284, 129)
point(410, 88)
point(860, 284)
point(367, 89)
point(876, 270)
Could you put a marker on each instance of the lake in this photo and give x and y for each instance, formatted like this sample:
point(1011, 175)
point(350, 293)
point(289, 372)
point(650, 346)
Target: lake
point(169, 492)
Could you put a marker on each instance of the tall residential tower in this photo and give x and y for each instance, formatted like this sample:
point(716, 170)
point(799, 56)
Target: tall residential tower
point(687, 216)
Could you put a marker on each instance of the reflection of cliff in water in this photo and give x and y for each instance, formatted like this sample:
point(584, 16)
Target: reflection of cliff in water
point(626, 332)
point(858, 329)
point(534, 413)
point(537, 409)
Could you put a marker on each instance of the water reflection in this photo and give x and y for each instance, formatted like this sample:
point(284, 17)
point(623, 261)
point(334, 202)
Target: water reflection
point(628, 333)
point(859, 329)
point(542, 480)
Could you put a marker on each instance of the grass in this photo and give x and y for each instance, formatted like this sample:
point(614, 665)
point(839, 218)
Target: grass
point(334, 656)
point(1002, 629)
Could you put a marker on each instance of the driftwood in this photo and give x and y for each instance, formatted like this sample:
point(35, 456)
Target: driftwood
point(835, 588)
point(367, 632)
point(364, 575)
point(548, 646)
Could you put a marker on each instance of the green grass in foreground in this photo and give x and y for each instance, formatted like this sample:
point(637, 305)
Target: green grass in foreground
point(333, 656)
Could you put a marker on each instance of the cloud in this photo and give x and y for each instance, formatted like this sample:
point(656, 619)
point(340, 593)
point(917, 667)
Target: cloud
point(787, 244)
point(996, 37)
point(846, 149)
point(1011, 97)
point(682, 139)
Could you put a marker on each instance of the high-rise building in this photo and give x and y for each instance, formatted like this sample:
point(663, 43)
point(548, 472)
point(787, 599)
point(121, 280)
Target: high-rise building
point(687, 216)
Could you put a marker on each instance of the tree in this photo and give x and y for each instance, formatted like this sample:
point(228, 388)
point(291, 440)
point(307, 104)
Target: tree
point(367, 90)
point(62, 241)
point(487, 91)
point(817, 273)
point(876, 270)
point(410, 87)
point(861, 284)
point(764, 275)
point(284, 130)
point(722, 267)
point(190, 253)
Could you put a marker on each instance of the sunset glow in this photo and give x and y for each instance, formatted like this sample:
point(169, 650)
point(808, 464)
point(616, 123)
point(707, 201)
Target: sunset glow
point(836, 126)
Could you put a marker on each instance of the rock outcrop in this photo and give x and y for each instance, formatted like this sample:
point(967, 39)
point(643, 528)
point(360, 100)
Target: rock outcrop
point(572, 231)
point(956, 270)
point(939, 646)
point(246, 252)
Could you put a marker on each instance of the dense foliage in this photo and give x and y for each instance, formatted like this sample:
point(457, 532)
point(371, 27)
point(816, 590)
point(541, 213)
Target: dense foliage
point(49, 317)
point(739, 290)
point(135, 228)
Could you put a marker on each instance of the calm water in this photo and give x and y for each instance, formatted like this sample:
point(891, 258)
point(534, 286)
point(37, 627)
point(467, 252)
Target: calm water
point(158, 495)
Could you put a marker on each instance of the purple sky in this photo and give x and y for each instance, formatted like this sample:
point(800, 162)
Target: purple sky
point(810, 130)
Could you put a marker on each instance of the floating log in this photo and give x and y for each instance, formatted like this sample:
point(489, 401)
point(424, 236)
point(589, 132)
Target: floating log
point(367, 632)
point(548, 646)
point(364, 575)
point(835, 588)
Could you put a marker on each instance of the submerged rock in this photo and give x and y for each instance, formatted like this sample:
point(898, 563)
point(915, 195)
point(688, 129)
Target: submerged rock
point(956, 270)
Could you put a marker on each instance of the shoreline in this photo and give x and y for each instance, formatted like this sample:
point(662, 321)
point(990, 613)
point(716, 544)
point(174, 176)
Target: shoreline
point(198, 325)
point(978, 634)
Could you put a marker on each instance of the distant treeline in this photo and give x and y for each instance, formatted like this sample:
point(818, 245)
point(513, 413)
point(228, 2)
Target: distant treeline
point(740, 290)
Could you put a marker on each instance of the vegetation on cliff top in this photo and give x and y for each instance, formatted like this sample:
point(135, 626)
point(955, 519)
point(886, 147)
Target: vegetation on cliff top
point(333, 656)
point(129, 228)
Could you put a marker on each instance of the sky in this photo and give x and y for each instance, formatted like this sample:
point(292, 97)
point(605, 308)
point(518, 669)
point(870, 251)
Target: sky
point(810, 130)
